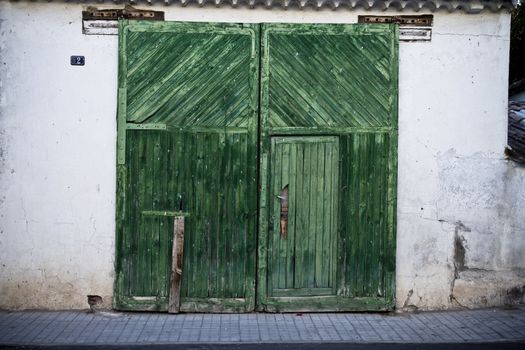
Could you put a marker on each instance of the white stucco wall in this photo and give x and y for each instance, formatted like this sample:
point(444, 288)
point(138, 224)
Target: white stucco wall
point(57, 158)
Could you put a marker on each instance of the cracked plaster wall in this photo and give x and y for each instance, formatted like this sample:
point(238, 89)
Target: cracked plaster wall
point(57, 158)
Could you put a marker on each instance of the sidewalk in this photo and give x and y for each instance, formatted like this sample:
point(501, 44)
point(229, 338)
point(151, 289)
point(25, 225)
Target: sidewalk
point(476, 329)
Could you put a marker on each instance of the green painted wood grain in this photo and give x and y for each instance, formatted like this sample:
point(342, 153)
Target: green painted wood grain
point(181, 78)
point(299, 261)
point(188, 129)
point(338, 80)
point(340, 77)
point(216, 239)
point(320, 80)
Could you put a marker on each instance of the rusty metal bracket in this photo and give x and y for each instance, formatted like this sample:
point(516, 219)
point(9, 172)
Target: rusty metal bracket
point(283, 197)
point(413, 21)
point(126, 13)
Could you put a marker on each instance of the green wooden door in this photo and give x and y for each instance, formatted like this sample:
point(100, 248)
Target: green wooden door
point(188, 97)
point(328, 142)
point(190, 137)
point(304, 177)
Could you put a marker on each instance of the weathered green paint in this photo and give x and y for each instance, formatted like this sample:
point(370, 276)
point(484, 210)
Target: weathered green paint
point(304, 260)
point(188, 144)
point(188, 130)
point(336, 82)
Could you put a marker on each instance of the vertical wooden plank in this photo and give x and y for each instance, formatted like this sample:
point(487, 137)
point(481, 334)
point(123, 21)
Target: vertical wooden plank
point(273, 229)
point(370, 215)
point(234, 223)
point(125, 251)
point(216, 193)
point(356, 245)
point(390, 260)
point(176, 265)
point(187, 163)
point(328, 212)
point(122, 249)
point(282, 181)
point(312, 215)
point(292, 210)
point(262, 249)
point(168, 198)
point(225, 204)
point(229, 214)
point(340, 285)
point(309, 166)
point(301, 206)
point(380, 173)
point(390, 229)
point(376, 214)
point(122, 93)
point(142, 179)
point(206, 197)
point(334, 203)
point(134, 223)
point(154, 229)
point(321, 232)
point(244, 217)
point(200, 271)
point(148, 222)
point(224, 207)
point(283, 238)
point(252, 174)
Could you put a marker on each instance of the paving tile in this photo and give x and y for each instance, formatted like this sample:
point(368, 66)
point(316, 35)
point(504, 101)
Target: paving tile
point(70, 327)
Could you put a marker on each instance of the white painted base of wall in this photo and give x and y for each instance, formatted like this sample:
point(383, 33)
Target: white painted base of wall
point(57, 158)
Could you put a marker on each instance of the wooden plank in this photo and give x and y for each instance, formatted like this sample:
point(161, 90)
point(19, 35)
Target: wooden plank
point(165, 240)
point(121, 261)
point(328, 303)
point(217, 305)
point(334, 206)
point(301, 227)
point(187, 164)
point(199, 247)
point(311, 214)
point(340, 284)
point(145, 126)
point(302, 292)
point(292, 210)
point(320, 131)
point(156, 280)
point(243, 218)
point(134, 197)
point(322, 231)
point(236, 222)
point(227, 244)
point(216, 196)
point(262, 267)
point(273, 246)
point(176, 265)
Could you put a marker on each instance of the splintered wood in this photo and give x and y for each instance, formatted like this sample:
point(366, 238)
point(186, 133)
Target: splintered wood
point(176, 264)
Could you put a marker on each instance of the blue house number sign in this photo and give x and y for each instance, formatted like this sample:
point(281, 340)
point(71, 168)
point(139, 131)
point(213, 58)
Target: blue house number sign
point(78, 60)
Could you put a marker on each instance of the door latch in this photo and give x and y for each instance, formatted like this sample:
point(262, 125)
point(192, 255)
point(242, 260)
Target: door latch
point(283, 197)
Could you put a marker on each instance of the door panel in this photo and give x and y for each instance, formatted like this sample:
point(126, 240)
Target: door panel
point(328, 85)
point(187, 146)
point(303, 257)
point(329, 76)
